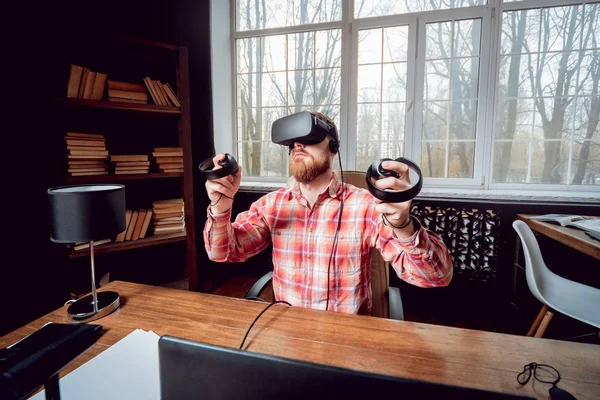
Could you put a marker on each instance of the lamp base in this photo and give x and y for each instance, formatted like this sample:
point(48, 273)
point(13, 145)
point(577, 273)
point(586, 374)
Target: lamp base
point(83, 309)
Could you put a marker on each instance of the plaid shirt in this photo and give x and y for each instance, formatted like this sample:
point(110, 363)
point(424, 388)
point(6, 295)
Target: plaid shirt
point(302, 239)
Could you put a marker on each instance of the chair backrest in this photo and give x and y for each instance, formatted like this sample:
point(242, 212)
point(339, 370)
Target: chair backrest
point(380, 273)
point(535, 268)
point(380, 278)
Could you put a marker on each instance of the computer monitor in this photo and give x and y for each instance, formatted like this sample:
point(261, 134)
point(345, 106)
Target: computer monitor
point(192, 370)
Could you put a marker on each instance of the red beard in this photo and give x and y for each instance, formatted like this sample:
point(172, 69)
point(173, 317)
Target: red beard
point(306, 169)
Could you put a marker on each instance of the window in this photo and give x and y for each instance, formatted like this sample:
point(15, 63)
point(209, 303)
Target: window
point(441, 82)
point(548, 104)
point(381, 94)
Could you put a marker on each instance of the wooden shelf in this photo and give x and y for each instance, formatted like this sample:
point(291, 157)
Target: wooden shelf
point(124, 177)
point(115, 105)
point(130, 245)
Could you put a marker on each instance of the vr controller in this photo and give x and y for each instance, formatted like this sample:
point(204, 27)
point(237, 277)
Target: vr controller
point(229, 164)
point(377, 171)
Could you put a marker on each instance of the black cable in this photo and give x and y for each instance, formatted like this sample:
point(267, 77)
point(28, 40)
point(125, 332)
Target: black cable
point(258, 316)
point(337, 231)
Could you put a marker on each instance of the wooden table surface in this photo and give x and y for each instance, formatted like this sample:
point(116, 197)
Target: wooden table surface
point(463, 357)
point(572, 237)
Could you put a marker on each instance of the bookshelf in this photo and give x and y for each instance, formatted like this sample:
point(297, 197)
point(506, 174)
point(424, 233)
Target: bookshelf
point(134, 128)
point(130, 245)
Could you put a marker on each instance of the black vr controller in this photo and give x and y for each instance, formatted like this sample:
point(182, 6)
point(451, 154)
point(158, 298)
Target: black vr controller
point(390, 196)
point(229, 164)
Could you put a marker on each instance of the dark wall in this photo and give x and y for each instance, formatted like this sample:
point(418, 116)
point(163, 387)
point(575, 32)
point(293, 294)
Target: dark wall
point(33, 276)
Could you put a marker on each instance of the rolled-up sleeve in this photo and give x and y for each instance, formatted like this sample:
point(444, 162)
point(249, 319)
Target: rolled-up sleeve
point(422, 259)
point(225, 241)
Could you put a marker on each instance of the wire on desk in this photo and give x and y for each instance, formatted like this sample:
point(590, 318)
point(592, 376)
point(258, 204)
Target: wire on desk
point(258, 316)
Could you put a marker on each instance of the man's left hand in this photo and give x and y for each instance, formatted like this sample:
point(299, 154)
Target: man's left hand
point(397, 214)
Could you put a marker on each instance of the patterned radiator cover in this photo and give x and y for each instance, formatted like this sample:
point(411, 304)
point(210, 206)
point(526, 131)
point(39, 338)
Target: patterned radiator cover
point(471, 235)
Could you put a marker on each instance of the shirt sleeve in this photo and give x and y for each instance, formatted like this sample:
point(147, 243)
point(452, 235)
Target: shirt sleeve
point(421, 260)
point(225, 241)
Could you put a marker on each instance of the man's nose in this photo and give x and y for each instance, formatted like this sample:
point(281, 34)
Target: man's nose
point(298, 144)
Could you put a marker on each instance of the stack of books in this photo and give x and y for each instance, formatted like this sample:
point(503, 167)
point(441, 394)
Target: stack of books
point(169, 159)
point(168, 216)
point(87, 154)
point(131, 164)
point(138, 222)
point(127, 92)
point(85, 84)
point(162, 93)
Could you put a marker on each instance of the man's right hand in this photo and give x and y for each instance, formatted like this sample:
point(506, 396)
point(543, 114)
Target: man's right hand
point(221, 191)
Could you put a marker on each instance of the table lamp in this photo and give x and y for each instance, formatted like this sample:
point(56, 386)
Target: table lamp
point(86, 213)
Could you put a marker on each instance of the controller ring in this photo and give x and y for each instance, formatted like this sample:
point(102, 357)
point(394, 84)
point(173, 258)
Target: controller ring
point(375, 170)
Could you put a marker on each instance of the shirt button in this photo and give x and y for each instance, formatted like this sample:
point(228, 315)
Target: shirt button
point(310, 229)
point(308, 257)
point(307, 283)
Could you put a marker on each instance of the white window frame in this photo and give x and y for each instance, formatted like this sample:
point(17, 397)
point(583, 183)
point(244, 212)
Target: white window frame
point(491, 25)
point(491, 127)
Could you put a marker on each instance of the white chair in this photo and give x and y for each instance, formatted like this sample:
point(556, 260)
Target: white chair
point(570, 298)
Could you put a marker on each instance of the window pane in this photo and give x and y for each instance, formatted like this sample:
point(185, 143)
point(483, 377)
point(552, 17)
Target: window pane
point(369, 125)
point(274, 51)
point(382, 80)
point(438, 41)
point(246, 51)
point(433, 159)
point(369, 83)
point(269, 115)
point(435, 115)
point(273, 89)
point(585, 169)
point(376, 8)
point(460, 160)
point(466, 38)
point(520, 32)
point(463, 116)
point(369, 46)
point(328, 48)
point(394, 82)
point(327, 86)
point(393, 122)
point(550, 170)
point(301, 88)
point(263, 159)
point(510, 161)
point(247, 124)
point(452, 50)
point(437, 80)
point(301, 50)
point(549, 71)
point(517, 75)
point(395, 43)
point(515, 119)
point(261, 14)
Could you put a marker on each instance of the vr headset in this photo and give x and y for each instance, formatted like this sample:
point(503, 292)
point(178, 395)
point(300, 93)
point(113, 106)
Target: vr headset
point(306, 128)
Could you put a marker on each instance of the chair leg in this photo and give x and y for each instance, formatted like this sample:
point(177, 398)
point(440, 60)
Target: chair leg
point(540, 332)
point(537, 321)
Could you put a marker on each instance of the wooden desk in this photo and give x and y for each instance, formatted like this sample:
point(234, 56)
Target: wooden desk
point(575, 238)
point(434, 353)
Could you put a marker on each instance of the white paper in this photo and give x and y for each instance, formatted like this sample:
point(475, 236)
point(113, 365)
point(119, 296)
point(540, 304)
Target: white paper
point(126, 370)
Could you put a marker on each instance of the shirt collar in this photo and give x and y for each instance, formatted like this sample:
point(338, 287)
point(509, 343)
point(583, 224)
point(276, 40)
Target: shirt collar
point(333, 189)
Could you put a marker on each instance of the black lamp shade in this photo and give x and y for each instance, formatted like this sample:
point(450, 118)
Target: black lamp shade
point(86, 212)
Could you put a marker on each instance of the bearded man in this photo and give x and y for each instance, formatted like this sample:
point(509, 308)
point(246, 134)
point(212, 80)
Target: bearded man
point(320, 260)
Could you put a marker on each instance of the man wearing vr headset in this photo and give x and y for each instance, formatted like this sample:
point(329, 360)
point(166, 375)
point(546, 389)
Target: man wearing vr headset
point(321, 261)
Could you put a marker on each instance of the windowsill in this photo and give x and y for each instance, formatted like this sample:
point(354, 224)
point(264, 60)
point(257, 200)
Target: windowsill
point(461, 194)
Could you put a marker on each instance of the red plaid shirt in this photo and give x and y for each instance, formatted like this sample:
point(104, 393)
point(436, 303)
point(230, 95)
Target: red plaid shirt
point(302, 238)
